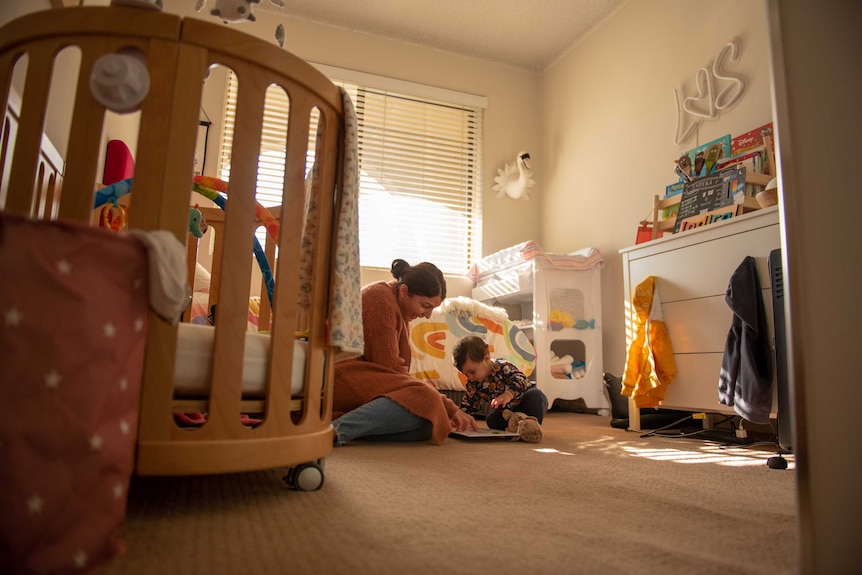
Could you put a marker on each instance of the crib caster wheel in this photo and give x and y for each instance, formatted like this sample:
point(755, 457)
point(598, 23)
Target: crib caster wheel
point(305, 477)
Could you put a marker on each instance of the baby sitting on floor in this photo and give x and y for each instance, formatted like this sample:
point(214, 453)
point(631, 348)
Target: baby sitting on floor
point(496, 381)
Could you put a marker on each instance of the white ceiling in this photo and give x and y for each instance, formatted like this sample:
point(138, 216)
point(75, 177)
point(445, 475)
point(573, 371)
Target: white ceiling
point(529, 34)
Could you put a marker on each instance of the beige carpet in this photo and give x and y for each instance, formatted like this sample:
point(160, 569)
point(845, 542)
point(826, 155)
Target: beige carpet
point(588, 499)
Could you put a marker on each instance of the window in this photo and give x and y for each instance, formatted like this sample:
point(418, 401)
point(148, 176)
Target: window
point(420, 154)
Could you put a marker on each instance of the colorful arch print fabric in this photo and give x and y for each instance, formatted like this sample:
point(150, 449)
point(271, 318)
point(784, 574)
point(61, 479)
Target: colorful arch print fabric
point(432, 341)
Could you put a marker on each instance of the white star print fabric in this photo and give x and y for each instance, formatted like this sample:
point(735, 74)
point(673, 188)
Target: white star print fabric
point(73, 311)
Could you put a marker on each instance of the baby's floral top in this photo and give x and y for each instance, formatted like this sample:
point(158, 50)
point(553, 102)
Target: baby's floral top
point(503, 376)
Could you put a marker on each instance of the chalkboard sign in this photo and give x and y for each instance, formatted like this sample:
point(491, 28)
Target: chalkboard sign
point(717, 190)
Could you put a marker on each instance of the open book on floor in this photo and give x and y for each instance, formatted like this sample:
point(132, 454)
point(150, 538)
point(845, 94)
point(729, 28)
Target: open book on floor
point(483, 433)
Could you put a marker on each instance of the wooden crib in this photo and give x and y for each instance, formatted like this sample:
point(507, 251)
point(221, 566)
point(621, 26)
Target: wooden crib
point(296, 428)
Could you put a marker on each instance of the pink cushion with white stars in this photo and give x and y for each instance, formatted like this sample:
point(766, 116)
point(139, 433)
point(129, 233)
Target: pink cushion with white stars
point(73, 319)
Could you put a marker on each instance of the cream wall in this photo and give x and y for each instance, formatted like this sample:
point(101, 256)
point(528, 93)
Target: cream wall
point(608, 126)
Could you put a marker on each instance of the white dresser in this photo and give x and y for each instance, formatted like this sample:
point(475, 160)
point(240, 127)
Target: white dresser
point(693, 269)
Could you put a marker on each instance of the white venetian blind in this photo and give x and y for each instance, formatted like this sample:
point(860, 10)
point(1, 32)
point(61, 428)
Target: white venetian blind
point(271, 162)
point(420, 173)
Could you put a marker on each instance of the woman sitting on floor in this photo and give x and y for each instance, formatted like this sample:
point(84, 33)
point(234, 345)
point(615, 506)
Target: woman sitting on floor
point(374, 396)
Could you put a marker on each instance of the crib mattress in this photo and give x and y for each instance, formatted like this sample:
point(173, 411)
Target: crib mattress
point(193, 368)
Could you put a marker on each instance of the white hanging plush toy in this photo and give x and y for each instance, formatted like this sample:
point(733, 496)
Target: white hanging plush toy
point(516, 179)
point(234, 10)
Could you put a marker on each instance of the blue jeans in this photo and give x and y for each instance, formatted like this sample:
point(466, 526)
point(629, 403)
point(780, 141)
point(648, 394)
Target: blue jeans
point(381, 420)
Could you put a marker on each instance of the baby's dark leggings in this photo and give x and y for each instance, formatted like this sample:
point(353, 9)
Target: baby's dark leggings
point(533, 402)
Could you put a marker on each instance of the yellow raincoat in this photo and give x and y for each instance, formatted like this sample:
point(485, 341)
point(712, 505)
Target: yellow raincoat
point(650, 366)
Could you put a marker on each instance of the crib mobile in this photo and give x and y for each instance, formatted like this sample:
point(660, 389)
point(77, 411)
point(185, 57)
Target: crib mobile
point(113, 216)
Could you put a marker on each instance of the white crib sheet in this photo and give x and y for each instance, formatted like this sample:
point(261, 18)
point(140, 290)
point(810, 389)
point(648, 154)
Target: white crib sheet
point(193, 368)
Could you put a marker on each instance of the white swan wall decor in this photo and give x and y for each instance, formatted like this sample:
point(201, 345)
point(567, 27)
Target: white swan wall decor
point(515, 179)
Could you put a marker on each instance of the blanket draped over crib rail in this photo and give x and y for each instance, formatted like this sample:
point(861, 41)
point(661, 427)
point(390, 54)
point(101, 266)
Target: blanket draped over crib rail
point(345, 330)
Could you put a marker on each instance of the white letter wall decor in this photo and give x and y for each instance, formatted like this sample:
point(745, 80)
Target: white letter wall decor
point(707, 104)
point(737, 81)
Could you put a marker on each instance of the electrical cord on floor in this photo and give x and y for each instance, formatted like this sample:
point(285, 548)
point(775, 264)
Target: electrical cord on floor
point(752, 444)
point(669, 426)
point(773, 441)
point(675, 423)
point(775, 462)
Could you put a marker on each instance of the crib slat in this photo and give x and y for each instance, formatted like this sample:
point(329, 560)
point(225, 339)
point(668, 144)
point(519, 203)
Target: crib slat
point(20, 197)
point(9, 124)
point(161, 192)
point(265, 315)
point(287, 277)
point(231, 316)
point(163, 177)
point(87, 122)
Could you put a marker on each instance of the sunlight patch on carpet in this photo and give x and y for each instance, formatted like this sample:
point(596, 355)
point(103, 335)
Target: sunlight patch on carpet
point(551, 450)
point(707, 454)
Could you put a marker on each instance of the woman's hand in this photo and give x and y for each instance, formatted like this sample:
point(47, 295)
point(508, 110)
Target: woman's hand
point(461, 421)
point(503, 399)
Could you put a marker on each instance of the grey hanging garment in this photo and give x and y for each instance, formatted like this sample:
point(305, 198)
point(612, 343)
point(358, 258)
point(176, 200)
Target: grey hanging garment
point(745, 381)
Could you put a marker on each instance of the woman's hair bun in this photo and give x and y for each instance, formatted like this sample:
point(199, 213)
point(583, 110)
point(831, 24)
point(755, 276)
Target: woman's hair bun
point(399, 266)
